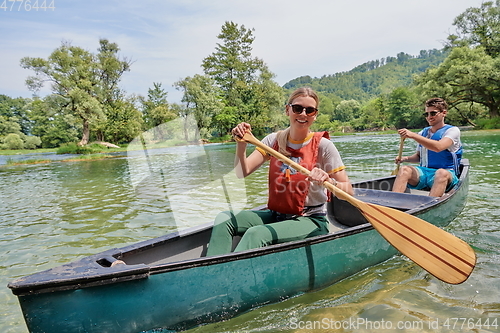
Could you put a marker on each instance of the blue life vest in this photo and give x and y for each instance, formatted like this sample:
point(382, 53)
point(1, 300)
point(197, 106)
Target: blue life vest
point(442, 160)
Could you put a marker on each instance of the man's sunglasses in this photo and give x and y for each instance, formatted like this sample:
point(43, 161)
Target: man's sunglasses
point(298, 109)
point(431, 113)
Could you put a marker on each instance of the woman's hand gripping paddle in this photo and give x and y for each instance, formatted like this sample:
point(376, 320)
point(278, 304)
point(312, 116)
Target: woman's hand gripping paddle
point(400, 154)
point(443, 255)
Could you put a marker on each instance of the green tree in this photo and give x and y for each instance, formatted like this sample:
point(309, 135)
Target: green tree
point(267, 105)
point(347, 110)
point(203, 101)
point(53, 127)
point(155, 107)
point(32, 142)
point(247, 87)
point(326, 105)
point(479, 27)
point(404, 108)
point(470, 76)
point(87, 84)
point(110, 69)
point(374, 115)
point(466, 76)
point(15, 110)
point(323, 123)
point(124, 121)
point(15, 125)
point(9, 125)
point(72, 72)
point(231, 65)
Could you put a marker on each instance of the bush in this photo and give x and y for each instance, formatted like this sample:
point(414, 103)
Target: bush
point(73, 148)
point(32, 142)
point(12, 141)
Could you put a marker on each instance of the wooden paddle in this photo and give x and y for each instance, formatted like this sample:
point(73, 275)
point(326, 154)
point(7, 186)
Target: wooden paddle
point(395, 172)
point(438, 252)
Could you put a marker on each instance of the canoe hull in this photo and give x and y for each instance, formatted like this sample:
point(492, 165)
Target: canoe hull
point(187, 297)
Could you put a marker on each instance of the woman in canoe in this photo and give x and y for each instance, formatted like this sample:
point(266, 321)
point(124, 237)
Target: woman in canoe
point(296, 203)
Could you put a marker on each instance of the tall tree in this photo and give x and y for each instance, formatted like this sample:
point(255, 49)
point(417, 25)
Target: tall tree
point(86, 83)
point(479, 27)
point(374, 115)
point(123, 121)
point(231, 65)
point(203, 101)
point(72, 72)
point(466, 76)
point(110, 71)
point(247, 85)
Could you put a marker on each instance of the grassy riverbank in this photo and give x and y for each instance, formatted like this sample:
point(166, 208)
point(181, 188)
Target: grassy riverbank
point(91, 157)
point(104, 153)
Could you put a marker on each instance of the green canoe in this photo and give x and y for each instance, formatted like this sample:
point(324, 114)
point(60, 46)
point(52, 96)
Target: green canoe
point(168, 283)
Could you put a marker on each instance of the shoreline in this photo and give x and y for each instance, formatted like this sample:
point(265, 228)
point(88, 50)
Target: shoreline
point(103, 155)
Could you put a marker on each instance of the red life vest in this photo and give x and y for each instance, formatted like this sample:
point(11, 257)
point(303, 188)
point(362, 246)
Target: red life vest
point(287, 187)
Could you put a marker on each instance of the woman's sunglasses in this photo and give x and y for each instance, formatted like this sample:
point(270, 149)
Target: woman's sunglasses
point(431, 113)
point(298, 109)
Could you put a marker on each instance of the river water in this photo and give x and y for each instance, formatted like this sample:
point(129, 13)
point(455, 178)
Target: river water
point(58, 212)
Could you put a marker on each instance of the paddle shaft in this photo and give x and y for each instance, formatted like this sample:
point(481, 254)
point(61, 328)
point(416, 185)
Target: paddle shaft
point(248, 137)
point(400, 154)
point(438, 252)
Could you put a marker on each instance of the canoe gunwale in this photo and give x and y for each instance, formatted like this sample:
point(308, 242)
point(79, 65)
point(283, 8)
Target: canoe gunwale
point(252, 253)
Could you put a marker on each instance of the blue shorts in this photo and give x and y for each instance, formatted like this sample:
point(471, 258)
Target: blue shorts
point(426, 179)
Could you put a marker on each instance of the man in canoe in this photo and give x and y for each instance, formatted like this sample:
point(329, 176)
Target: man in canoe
point(439, 152)
point(296, 203)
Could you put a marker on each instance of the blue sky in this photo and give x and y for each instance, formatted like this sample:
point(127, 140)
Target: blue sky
point(167, 40)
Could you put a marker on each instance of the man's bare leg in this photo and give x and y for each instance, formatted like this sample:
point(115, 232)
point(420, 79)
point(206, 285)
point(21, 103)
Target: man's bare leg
point(441, 181)
point(406, 175)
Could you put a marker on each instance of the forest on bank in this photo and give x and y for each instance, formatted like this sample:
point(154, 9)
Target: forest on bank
point(87, 104)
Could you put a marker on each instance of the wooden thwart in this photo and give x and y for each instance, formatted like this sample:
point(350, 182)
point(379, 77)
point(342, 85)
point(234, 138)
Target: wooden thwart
point(440, 253)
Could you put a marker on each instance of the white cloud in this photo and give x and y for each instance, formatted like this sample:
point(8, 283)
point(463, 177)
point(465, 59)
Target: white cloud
point(168, 40)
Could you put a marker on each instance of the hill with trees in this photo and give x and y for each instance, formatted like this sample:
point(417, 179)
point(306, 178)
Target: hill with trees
point(372, 78)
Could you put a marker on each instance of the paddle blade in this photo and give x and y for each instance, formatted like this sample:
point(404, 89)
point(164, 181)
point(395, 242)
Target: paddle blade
point(440, 253)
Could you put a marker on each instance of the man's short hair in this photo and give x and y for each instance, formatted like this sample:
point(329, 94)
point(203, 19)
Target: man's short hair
point(438, 103)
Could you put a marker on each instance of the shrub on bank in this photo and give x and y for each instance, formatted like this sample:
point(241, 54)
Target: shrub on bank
point(73, 148)
point(14, 141)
